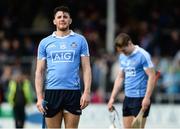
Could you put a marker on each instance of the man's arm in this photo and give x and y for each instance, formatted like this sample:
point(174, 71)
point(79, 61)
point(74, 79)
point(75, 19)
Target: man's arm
point(87, 77)
point(150, 86)
point(39, 76)
point(116, 88)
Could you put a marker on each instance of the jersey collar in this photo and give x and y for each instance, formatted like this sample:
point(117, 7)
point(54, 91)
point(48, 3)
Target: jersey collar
point(55, 36)
point(135, 50)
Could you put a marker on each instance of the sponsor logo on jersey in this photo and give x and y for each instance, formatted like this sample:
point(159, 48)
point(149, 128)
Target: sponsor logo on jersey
point(130, 72)
point(63, 56)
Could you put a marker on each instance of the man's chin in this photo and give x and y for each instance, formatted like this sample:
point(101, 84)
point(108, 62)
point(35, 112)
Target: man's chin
point(63, 29)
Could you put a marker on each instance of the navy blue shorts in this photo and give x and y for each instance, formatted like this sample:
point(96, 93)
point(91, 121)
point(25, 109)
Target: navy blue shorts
point(132, 106)
point(62, 100)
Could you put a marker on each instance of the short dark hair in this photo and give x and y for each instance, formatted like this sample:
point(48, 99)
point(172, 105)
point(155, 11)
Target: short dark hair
point(122, 40)
point(63, 9)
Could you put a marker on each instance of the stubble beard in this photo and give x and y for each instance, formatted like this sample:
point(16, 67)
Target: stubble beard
point(63, 29)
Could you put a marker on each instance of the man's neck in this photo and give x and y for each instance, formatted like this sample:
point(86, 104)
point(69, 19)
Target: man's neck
point(132, 48)
point(62, 33)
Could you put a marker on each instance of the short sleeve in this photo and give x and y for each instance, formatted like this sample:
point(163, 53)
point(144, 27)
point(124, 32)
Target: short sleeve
point(41, 50)
point(84, 47)
point(146, 61)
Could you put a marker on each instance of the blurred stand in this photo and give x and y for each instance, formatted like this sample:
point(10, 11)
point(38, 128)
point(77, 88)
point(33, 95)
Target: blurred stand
point(156, 28)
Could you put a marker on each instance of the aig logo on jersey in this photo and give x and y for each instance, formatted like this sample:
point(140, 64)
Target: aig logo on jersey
point(63, 56)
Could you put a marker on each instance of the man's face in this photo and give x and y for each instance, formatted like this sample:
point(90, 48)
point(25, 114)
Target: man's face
point(62, 20)
point(125, 49)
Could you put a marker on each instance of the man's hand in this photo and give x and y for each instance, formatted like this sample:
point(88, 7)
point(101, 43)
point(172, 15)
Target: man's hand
point(145, 103)
point(85, 99)
point(41, 106)
point(110, 104)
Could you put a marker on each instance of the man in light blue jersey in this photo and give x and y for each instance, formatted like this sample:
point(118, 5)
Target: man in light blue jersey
point(60, 56)
point(137, 74)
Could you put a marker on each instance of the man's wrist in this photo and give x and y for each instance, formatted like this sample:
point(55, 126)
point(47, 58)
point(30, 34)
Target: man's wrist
point(87, 92)
point(40, 97)
point(147, 97)
point(112, 99)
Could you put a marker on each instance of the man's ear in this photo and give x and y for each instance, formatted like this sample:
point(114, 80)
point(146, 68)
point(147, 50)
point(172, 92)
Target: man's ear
point(70, 21)
point(54, 22)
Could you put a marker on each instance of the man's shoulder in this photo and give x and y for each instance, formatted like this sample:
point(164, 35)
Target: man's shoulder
point(47, 39)
point(79, 35)
point(143, 52)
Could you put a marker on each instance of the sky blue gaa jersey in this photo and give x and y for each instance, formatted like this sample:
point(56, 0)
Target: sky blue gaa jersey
point(63, 55)
point(135, 77)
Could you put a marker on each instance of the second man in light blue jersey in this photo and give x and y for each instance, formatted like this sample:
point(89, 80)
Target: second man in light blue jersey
point(137, 74)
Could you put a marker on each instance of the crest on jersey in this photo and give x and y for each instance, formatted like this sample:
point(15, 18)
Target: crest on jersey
point(63, 46)
point(73, 45)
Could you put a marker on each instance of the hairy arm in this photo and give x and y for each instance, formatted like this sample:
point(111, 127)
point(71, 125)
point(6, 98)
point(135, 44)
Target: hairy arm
point(87, 77)
point(39, 76)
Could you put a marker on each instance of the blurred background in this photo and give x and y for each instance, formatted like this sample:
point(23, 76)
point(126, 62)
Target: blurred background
point(152, 24)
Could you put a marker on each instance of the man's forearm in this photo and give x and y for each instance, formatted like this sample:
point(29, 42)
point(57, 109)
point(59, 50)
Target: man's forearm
point(39, 85)
point(116, 87)
point(87, 80)
point(150, 87)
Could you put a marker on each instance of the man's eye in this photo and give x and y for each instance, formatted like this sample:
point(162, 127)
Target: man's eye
point(59, 17)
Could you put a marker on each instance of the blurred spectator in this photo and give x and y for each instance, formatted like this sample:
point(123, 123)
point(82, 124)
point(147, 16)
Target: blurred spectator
point(114, 72)
point(4, 79)
point(97, 96)
point(1, 94)
point(176, 69)
point(99, 72)
point(19, 95)
point(28, 46)
point(1, 97)
point(5, 49)
point(16, 48)
point(146, 37)
point(41, 22)
point(164, 66)
point(175, 42)
point(170, 76)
